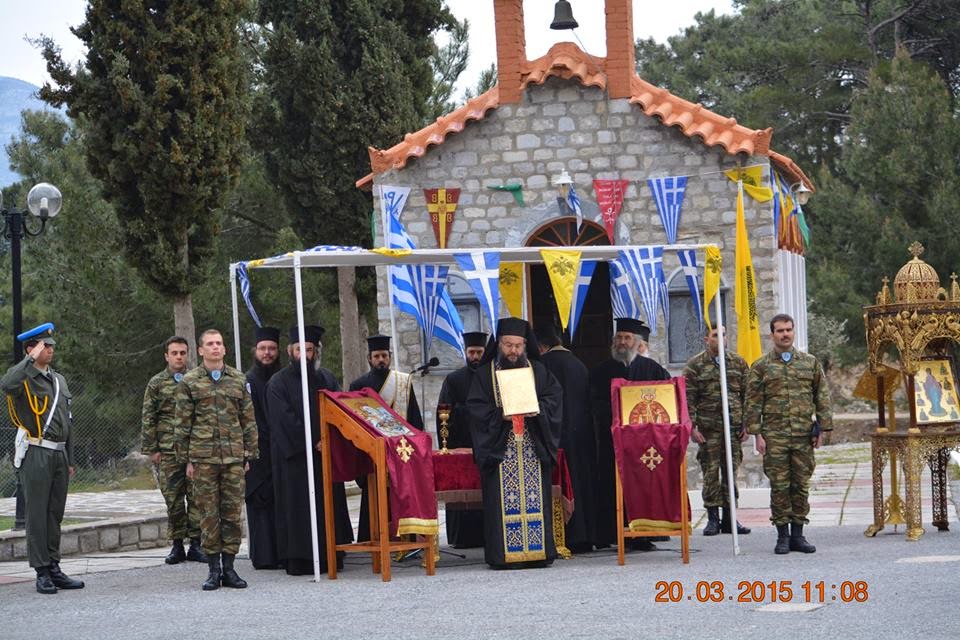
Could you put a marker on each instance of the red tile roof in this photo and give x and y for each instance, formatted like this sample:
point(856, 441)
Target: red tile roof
point(566, 60)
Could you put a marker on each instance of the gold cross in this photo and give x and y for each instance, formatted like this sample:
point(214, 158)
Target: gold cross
point(404, 449)
point(651, 458)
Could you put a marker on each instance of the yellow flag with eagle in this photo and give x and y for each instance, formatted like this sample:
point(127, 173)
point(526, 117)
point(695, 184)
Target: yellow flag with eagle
point(748, 320)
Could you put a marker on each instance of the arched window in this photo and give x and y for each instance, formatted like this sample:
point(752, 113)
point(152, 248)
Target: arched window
point(684, 335)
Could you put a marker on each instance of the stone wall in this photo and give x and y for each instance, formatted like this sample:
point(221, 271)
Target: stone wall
point(558, 126)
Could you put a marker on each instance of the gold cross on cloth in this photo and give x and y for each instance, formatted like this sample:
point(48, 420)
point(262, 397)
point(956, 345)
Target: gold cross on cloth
point(404, 449)
point(651, 458)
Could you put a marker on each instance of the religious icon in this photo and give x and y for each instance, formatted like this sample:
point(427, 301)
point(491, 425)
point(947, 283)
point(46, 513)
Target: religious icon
point(935, 392)
point(378, 416)
point(648, 404)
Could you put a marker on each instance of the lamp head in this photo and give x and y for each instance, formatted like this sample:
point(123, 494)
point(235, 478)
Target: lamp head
point(801, 193)
point(44, 201)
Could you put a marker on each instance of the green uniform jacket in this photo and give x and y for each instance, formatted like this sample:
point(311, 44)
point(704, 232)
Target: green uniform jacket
point(702, 375)
point(159, 418)
point(783, 398)
point(215, 420)
point(41, 390)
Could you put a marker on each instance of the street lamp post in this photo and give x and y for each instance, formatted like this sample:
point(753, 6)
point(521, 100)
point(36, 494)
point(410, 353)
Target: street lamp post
point(43, 201)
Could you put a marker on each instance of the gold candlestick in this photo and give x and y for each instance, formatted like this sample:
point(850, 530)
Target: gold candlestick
point(443, 412)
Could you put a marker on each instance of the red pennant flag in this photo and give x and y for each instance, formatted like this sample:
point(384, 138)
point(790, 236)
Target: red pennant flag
point(609, 195)
point(441, 203)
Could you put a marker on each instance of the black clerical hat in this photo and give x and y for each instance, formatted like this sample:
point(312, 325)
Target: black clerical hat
point(309, 333)
point(513, 327)
point(631, 325)
point(378, 343)
point(267, 333)
point(474, 339)
point(314, 333)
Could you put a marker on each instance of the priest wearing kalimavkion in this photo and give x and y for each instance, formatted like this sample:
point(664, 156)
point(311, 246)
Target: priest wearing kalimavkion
point(396, 389)
point(516, 454)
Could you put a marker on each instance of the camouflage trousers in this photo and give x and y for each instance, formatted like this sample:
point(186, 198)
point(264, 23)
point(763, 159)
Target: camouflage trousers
point(218, 490)
point(183, 518)
point(713, 466)
point(788, 464)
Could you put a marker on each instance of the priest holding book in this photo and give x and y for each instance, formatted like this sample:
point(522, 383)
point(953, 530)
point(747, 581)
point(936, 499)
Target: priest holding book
point(516, 409)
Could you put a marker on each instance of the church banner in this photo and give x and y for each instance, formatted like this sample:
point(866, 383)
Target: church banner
point(650, 452)
point(609, 195)
point(748, 319)
point(563, 266)
point(752, 180)
point(442, 204)
point(711, 280)
point(511, 287)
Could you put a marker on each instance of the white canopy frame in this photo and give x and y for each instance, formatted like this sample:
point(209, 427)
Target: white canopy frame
point(352, 256)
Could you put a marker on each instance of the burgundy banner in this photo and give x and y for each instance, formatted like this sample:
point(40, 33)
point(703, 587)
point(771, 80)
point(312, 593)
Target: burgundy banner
point(609, 195)
point(413, 505)
point(442, 205)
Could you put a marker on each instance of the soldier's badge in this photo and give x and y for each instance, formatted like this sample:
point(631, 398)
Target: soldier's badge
point(216, 374)
point(178, 377)
point(786, 356)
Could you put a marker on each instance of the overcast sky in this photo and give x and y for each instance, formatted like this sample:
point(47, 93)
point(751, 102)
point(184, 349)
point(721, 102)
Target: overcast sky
point(657, 19)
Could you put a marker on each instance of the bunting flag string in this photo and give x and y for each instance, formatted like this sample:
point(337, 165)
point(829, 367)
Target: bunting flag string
point(621, 292)
point(609, 194)
point(511, 288)
point(668, 195)
point(645, 266)
point(580, 289)
point(563, 266)
point(482, 272)
point(688, 262)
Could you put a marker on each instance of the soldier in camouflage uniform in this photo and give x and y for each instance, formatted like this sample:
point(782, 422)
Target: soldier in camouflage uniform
point(704, 403)
point(788, 409)
point(216, 436)
point(159, 420)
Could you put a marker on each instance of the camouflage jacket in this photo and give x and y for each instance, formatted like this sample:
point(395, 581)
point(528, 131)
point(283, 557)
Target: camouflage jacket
point(158, 419)
point(784, 398)
point(702, 375)
point(214, 420)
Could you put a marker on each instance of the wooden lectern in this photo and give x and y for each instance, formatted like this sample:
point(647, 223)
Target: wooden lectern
point(380, 545)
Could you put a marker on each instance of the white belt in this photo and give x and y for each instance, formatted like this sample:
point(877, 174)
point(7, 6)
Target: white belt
point(47, 444)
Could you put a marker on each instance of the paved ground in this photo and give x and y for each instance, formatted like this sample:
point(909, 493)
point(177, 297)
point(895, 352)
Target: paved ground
point(586, 597)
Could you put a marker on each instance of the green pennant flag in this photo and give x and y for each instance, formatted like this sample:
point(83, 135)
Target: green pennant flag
point(516, 190)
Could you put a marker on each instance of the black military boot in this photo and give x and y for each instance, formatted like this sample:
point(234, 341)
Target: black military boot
point(213, 578)
point(230, 577)
point(177, 554)
point(44, 582)
point(62, 580)
point(783, 540)
point(725, 523)
point(798, 542)
point(196, 553)
point(713, 522)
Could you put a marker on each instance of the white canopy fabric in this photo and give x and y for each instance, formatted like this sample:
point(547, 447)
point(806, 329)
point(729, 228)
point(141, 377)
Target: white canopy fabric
point(326, 256)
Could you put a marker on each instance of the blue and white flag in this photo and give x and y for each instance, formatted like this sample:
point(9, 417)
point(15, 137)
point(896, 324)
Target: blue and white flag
point(482, 271)
point(688, 261)
point(580, 288)
point(645, 266)
point(621, 292)
point(574, 201)
point(244, 278)
point(420, 291)
point(668, 195)
point(392, 201)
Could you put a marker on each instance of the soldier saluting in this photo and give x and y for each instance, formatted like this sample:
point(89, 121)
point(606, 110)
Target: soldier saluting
point(216, 437)
point(39, 403)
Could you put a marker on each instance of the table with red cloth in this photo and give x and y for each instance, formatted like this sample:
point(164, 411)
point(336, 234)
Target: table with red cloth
point(457, 483)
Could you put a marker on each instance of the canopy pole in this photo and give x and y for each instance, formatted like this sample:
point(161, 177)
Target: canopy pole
point(307, 422)
point(236, 316)
point(727, 444)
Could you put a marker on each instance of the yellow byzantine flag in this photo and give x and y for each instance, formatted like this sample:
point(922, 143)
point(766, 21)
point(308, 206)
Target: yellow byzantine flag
point(751, 180)
point(711, 280)
point(562, 265)
point(748, 320)
point(511, 287)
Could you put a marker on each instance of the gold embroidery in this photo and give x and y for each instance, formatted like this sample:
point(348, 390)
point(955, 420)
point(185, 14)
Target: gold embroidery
point(404, 449)
point(651, 458)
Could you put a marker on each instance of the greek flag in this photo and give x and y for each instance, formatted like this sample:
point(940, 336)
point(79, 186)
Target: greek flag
point(244, 278)
point(482, 271)
point(392, 201)
point(580, 289)
point(574, 201)
point(420, 291)
point(688, 261)
point(668, 195)
point(645, 266)
point(621, 293)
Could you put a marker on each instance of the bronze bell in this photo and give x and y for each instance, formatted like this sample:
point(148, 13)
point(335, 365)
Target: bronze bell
point(563, 16)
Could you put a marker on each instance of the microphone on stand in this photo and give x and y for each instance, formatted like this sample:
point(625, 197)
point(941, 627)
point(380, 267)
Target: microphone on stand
point(424, 369)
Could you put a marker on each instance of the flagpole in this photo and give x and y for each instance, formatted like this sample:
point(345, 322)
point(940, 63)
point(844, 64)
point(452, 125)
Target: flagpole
point(236, 315)
point(727, 444)
point(393, 314)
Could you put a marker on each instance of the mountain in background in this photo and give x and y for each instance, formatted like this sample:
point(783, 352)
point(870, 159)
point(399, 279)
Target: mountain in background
point(15, 96)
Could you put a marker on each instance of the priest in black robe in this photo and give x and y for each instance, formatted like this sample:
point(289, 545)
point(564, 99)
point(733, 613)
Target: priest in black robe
point(515, 455)
point(464, 526)
point(396, 389)
point(259, 497)
point(577, 437)
point(625, 362)
point(289, 455)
